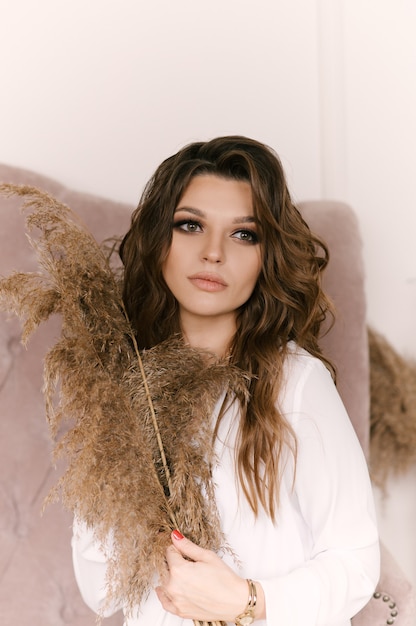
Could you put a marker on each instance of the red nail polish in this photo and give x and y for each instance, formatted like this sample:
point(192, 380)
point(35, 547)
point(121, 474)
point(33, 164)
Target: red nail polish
point(177, 535)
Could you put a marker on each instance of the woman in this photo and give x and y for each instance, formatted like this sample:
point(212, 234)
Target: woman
point(218, 254)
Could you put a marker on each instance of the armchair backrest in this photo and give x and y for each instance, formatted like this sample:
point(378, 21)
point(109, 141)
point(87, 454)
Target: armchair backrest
point(344, 281)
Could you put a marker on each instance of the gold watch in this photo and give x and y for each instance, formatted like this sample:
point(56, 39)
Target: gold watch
point(247, 616)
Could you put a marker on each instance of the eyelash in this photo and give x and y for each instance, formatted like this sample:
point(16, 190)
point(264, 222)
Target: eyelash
point(252, 235)
point(180, 223)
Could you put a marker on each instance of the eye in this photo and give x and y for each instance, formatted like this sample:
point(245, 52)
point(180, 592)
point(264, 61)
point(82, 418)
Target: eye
point(188, 226)
point(248, 236)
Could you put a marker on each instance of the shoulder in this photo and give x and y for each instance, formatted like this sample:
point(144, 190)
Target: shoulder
point(305, 380)
point(299, 365)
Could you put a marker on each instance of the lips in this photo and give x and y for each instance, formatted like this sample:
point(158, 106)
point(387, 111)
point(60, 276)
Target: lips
point(208, 281)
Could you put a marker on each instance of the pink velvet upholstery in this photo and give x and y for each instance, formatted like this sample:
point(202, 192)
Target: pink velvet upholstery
point(37, 586)
point(346, 343)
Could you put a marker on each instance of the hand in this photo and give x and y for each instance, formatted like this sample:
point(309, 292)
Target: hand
point(203, 588)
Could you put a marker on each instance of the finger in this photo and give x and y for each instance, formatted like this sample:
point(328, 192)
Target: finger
point(164, 578)
point(187, 548)
point(173, 557)
point(164, 599)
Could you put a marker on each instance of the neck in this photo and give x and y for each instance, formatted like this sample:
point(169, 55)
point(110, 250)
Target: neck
point(214, 336)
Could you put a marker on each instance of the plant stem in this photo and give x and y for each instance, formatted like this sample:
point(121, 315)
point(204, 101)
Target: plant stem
point(155, 425)
point(161, 449)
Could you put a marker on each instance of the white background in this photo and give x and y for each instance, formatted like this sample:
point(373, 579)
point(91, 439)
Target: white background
point(97, 92)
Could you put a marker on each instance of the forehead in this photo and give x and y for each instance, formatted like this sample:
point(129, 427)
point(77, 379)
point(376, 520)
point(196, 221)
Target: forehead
point(208, 192)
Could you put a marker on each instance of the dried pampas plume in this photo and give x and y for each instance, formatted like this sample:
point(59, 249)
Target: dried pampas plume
point(393, 409)
point(139, 446)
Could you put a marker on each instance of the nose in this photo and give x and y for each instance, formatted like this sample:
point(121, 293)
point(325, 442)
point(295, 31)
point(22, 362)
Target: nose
point(213, 249)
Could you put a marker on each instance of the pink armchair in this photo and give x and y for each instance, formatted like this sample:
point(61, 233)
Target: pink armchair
point(37, 586)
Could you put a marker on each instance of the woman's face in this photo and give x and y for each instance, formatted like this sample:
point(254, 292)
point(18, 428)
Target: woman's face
point(215, 256)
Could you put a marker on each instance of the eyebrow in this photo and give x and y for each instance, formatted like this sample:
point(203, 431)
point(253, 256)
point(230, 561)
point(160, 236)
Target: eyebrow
point(246, 219)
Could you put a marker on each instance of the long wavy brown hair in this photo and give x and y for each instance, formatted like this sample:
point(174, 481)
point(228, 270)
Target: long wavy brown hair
point(287, 303)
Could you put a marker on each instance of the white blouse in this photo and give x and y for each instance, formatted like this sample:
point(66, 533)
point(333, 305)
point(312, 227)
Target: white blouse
point(319, 562)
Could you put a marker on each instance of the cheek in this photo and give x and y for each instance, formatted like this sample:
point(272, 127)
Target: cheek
point(256, 268)
point(249, 276)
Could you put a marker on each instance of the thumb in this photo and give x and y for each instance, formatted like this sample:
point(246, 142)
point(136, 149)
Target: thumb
point(187, 547)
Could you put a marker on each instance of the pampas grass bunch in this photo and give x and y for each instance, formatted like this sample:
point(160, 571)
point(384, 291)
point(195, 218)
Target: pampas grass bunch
point(392, 409)
point(138, 427)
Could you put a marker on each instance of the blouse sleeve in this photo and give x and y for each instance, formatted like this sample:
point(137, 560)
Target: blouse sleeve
point(333, 494)
point(90, 569)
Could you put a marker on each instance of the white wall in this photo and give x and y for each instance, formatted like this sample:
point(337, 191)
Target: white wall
point(97, 92)
point(381, 138)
